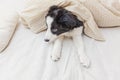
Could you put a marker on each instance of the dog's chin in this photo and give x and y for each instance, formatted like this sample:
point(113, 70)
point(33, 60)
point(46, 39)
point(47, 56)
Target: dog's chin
point(54, 39)
point(51, 40)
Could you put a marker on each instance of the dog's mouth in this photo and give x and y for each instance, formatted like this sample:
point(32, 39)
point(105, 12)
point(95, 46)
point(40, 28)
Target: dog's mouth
point(53, 38)
point(49, 40)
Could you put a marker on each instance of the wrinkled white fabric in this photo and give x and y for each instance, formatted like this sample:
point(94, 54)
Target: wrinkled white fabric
point(8, 22)
point(28, 57)
point(32, 61)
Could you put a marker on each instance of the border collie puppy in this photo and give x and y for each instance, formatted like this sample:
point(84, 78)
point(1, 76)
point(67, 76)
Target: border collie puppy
point(62, 23)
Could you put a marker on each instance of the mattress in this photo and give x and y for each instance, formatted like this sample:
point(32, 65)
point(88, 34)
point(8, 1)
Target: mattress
point(28, 57)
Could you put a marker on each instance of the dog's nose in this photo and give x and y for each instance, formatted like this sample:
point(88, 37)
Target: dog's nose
point(46, 40)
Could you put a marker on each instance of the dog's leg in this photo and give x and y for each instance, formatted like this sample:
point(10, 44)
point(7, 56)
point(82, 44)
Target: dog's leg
point(80, 48)
point(78, 41)
point(56, 53)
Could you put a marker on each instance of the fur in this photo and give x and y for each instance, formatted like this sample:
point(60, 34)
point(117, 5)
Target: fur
point(61, 23)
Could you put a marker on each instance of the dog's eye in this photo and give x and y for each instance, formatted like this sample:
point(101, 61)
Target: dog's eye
point(54, 30)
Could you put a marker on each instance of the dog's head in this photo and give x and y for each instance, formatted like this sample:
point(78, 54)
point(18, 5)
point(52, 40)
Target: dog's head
point(59, 21)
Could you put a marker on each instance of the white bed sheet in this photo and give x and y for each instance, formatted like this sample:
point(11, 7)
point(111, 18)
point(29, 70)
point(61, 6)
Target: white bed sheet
point(28, 56)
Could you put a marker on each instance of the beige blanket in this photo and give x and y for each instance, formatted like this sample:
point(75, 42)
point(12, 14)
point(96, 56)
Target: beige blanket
point(93, 13)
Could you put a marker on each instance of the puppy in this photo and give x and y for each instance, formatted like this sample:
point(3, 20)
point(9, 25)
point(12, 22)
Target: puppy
point(62, 23)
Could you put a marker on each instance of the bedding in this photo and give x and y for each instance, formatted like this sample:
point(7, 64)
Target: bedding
point(87, 11)
point(27, 56)
point(8, 22)
point(33, 16)
point(110, 14)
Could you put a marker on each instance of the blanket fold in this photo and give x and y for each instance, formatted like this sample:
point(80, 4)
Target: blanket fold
point(105, 15)
point(8, 23)
point(92, 12)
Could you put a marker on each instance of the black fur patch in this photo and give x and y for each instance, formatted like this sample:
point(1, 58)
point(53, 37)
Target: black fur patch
point(64, 20)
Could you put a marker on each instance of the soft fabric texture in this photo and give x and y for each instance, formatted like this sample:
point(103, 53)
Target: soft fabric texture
point(34, 15)
point(8, 21)
point(89, 11)
point(105, 15)
point(28, 56)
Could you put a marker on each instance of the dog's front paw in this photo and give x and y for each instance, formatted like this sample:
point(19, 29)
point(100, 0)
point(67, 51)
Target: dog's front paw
point(85, 61)
point(55, 57)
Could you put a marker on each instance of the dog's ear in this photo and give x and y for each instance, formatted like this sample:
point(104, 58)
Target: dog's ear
point(70, 20)
point(79, 23)
point(67, 20)
point(53, 10)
